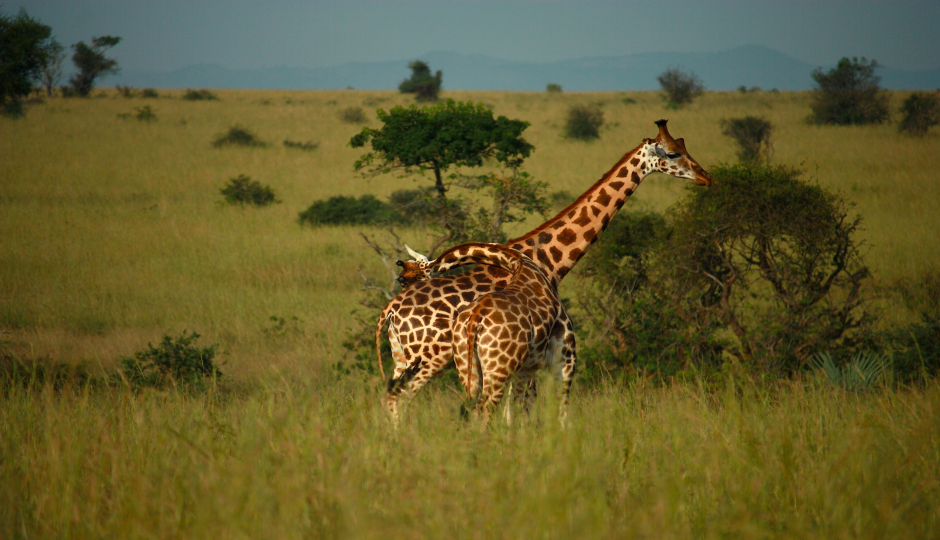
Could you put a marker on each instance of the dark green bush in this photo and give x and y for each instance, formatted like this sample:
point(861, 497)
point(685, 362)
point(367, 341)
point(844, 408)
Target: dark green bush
point(353, 115)
point(199, 95)
point(751, 133)
point(849, 94)
point(173, 362)
point(238, 136)
point(125, 91)
point(145, 114)
point(305, 146)
point(921, 111)
point(553, 88)
point(243, 190)
point(425, 86)
point(680, 87)
point(148, 93)
point(342, 210)
point(584, 122)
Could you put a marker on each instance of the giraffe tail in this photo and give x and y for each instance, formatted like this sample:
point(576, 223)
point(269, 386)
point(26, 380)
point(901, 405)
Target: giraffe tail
point(473, 360)
point(383, 318)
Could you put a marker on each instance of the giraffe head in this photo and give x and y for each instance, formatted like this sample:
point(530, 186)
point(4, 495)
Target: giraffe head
point(669, 156)
point(414, 270)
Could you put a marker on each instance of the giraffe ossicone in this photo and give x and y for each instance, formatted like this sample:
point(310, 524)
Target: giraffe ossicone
point(420, 319)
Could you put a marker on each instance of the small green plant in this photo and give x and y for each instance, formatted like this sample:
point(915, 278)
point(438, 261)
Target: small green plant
point(353, 115)
point(173, 362)
point(148, 93)
point(860, 374)
point(238, 136)
point(921, 111)
point(305, 146)
point(680, 87)
point(200, 95)
point(145, 114)
point(751, 133)
point(584, 122)
point(243, 190)
point(553, 88)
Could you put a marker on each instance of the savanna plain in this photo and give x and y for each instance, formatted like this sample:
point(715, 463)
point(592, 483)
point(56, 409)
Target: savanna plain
point(113, 233)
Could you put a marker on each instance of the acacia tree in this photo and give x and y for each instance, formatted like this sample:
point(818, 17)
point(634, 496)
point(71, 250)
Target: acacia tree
point(22, 56)
point(849, 94)
point(92, 63)
point(680, 87)
point(440, 137)
point(421, 83)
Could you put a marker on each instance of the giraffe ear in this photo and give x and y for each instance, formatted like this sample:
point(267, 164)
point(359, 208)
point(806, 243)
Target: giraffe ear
point(417, 256)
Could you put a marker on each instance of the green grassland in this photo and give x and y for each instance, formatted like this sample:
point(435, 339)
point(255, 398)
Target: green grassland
point(112, 233)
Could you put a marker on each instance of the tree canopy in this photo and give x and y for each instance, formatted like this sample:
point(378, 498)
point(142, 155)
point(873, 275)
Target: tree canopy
point(92, 63)
point(23, 54)
point(424, 85)
point(849, 94)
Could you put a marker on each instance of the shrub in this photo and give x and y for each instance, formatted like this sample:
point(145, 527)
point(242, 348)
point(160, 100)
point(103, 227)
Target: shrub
point(751, 134)
point(306, 146)
point(243, 190)
point(849, 94)
point(921, 111)
point(238, 136)
point(763, 267)
point(342, 210)
point(173, 362)
point(553, 88)
point(425, 86)
point(148, 93)
point(584, 122)
point(861, 373)
point(145, 114)
point(199, 95)
point(680, 87)
point(125, 91)
point(353, 115)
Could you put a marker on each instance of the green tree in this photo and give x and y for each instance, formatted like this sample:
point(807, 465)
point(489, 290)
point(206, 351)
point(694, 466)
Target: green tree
point(751, 133)
point(921, 112)
point(23, 42)
point(435, 139)
point(92, 64)
point(424, 85)
point(849, 94)
point(680, 87)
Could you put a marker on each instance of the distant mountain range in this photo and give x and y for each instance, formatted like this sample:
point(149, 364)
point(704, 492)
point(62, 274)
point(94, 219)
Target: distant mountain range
point(748, 65)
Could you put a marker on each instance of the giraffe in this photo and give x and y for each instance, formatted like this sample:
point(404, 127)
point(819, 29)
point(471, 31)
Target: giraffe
point(509, 333)
point(420, 318)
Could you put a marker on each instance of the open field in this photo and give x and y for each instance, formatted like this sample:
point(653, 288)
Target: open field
point(112, 234)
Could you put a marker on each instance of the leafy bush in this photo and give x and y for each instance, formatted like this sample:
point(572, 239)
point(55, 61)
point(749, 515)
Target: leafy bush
point(148, 93)
point(849, 94)
point(243, 190)
point(763, 267)
point(553, 88)
point(861, 373)
point(751, 134)
point(145, 114)
point(173, 362)
point(306, 146)
point(353, 115)
point(238, 136)
point(125, 91)
point(584, 122)
point(342, 210)
point(915, 348)
point(680, 87)
point(921, 111)
point(199, 95)
point(425, 86)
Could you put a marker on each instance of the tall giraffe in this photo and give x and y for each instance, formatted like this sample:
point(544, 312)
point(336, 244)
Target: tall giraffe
point(510, 333)
point(420, 317)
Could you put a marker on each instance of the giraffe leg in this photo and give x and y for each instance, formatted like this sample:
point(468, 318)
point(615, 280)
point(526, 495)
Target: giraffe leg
point(565, 368)
point(524, 393)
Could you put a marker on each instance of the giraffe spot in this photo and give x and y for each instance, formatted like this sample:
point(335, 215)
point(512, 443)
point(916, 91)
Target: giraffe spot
point(421, 298)
point(453, 300)
point(603, 197)
point(620, 203)
point(596, 211)
point(571, 214)
point(622, 172)
point(567, 236)
point(544, 237)
point(605, 222)
point(630, 191)
point(583, 219)
point(468, 296)
point(436, 305)
point(556, 254)
point(635, 177)
point(441, 324)
point(589, 235)
point(450, 289)
point(543, 258)
point(563, 271)
point(616, 185)
point(574, 255)
point(635, 161)
point(529, 242)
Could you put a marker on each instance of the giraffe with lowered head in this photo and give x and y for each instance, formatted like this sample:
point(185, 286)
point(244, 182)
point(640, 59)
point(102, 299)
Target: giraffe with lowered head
point(421, 317)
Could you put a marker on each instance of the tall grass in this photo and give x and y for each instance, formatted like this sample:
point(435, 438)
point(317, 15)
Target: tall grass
point(316, 458)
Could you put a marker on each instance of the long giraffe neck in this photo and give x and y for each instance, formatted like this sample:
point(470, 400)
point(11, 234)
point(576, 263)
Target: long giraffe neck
point(559, 243)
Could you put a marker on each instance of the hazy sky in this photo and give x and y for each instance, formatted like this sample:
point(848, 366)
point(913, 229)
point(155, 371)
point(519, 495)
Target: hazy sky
point(163, 35)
